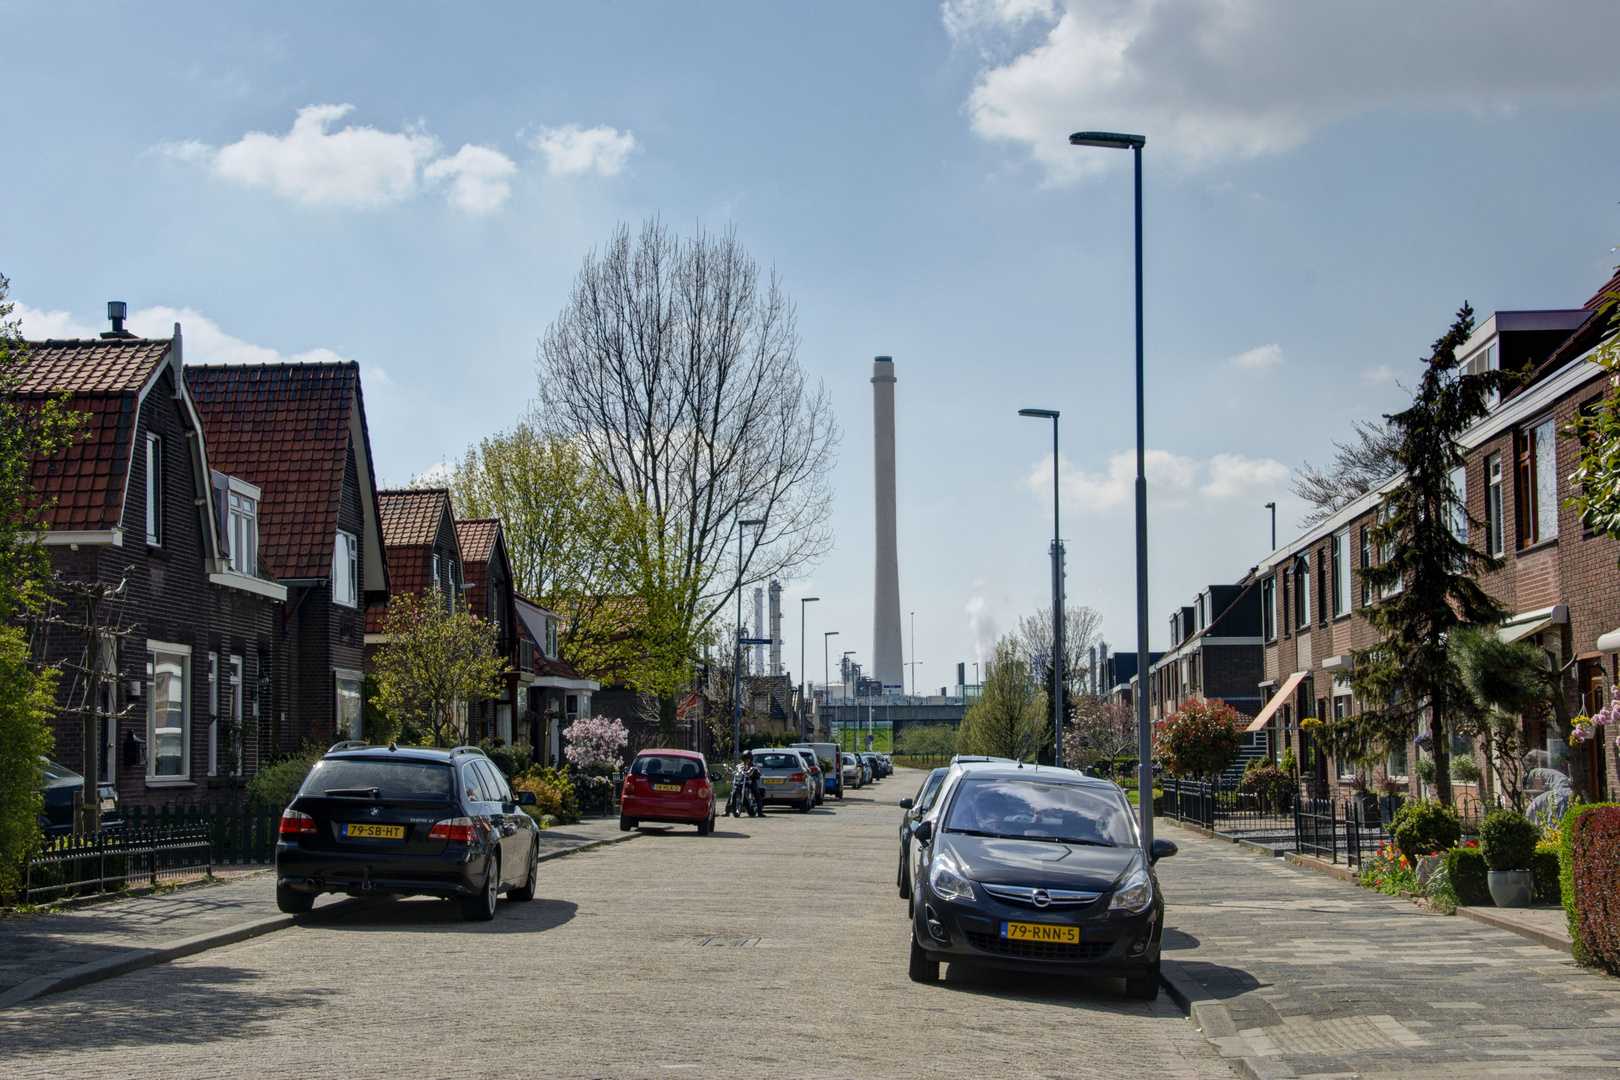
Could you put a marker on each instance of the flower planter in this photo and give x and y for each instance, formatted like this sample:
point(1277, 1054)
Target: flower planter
point(1511, 888)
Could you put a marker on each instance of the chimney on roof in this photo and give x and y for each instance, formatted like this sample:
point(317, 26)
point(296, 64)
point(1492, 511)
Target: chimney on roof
point(117, 311)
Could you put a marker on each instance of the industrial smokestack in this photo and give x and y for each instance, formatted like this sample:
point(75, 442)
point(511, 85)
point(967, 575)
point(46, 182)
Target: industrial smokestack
point(759, 630)
point(776, 628)
point(888, 665)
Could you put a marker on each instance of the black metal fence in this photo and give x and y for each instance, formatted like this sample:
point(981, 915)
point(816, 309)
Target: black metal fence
point(241, 833)
point(1316, 828)
point(110, 861)
point(1327, 828)
point(1245, 813)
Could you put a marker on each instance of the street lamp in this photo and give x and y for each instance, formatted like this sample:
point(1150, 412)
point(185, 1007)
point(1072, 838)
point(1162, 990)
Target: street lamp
point(1273, 508)
point(804, 681)
point(1144, 732)
point(1057, 590)
point(736, 666)
point(826, 673)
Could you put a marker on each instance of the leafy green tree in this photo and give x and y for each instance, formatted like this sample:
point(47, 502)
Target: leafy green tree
point(1010, 717)
point(1200, 739)
point(1596, 480)
point(27, 700)
point(1426, 576)
point(1506, 683)
point(432, 663)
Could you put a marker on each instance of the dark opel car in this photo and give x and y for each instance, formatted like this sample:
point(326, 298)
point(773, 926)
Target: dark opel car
point(386, 821)
point(1036, 869)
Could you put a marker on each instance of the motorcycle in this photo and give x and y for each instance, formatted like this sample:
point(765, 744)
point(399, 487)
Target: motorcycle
point(744, 793)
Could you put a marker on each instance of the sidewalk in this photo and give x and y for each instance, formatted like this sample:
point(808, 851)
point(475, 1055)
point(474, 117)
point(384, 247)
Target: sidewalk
point(48, 953)
point(1293, 974)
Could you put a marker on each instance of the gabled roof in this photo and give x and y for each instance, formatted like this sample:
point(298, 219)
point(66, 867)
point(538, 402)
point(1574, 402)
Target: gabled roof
point(477, 537)
point(108, 378)
point(287, 428)
point(411, 517)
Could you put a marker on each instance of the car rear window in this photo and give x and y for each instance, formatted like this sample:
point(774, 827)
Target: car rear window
point(679, 768)
point(420, 781)
point(778, 761)
point(1026, 809)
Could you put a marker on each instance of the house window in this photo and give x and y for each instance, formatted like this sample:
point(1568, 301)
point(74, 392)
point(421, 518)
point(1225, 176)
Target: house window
point(1201, 614)
point(1484, 360)
point(1341, 711)
point(1495, 541)
point(571, 707)
point(346, 570)
point(1538, 484)
point(1268, 608)
point(213, 714)
point(1383, 554)
point(244, 534)
point(349, 724)
point(551, 639)
point(168, 718)
point(1341, 573)
point(1459, 510)
point(1302, 591)
point(233, 710)
point(1366, 562)
point(154, 490)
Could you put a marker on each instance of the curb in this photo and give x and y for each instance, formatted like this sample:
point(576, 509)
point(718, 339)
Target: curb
point(1216, 1025)
point(113, 966)
point(1489, 917)
point(1333, 870)
point(1211, 834)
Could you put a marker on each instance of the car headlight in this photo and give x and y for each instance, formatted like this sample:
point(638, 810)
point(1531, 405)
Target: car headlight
point(1135, 894)
point(947, 881)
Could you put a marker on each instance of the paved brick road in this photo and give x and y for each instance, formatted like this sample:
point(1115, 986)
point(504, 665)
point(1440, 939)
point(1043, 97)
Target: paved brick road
point(1322, 978)
point(604, 977)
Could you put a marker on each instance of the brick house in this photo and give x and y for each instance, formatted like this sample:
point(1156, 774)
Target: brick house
point(1559, 582)
point(1215, 652)
point(556, 694)
point(491, 595)
point(298, 431)
point(138, 500)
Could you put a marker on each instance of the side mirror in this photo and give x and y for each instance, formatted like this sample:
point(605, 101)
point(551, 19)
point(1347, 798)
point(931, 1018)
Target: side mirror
point(1162, 849)
point(906, 804)
point(714, 776)
point(525, 798)
point(924, 832)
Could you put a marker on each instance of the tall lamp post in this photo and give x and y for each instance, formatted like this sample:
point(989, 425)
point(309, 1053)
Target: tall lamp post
point(1273, 508)
point(803, 680)
point(1144, 731)
point(826, 672)
point(736, 664)
point(1057, 589)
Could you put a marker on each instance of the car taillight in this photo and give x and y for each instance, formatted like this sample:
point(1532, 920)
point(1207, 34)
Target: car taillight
point(454, 829)
point(797, 777)
point(295, 822)
point(702, 789)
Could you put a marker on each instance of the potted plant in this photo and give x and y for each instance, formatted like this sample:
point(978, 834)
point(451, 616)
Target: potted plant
point(1509, 841)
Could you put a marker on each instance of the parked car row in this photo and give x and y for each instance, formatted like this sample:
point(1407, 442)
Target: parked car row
point(1029, 868)
point(861, 769)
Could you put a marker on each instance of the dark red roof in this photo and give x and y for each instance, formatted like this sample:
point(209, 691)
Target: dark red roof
point(411, 516)
point(1609, 293)
point(105, 377)
point(285, 429)
point(477, 537)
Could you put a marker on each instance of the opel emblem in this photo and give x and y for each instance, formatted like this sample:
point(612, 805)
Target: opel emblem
point(1041, 898)
point(374, 811)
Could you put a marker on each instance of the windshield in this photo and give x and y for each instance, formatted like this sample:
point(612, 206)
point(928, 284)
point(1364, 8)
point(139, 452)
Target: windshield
point(778, 761)
point(680, 768)
point(1031, 810)
point(412, 781)
point(930, 788)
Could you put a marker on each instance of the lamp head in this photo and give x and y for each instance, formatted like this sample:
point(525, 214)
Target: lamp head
point(752, 521)
point(808, 599)
point(1044, 414)
point(1110, 139)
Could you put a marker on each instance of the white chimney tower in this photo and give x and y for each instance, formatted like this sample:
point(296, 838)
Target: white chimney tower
point(888, 666)
point(776, 627)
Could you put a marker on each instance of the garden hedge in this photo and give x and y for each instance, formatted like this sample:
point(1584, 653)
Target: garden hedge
point(1589, 865)
point(1544, 864)
point(1466, 870)
point(1423, 828)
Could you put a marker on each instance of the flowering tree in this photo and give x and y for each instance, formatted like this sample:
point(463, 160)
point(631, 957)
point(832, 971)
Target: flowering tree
point(433, 661)
point(1200, 739)
point(595, 740)
point(1097, 730)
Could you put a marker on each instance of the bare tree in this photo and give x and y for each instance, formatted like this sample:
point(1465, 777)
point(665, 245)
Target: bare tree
point(1358, 466)
point(1082, 628)
point(676, 367)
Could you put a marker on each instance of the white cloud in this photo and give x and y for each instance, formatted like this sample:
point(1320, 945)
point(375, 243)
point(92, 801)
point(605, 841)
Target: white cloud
point(1233, 475)
point(357, 166)
point(1379, 375)
point(206, 343)
point(39, 325)
point(435, 476)
point(571, 151)
point(1258, 359)
point(1173, 480)
point(477, 178)
point(1214, 80)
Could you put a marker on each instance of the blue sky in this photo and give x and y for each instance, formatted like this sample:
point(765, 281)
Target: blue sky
point(1326, 183)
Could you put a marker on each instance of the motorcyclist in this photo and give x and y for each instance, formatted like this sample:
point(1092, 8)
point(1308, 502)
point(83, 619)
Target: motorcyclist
point(755, 783)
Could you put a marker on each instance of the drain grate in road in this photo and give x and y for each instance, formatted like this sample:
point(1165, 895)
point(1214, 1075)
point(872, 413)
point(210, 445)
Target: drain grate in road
point(726, 942)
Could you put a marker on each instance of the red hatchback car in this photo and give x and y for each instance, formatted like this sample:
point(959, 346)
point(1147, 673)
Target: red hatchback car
point(668, 786)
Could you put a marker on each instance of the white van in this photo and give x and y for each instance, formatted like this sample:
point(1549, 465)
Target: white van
point(832, 779)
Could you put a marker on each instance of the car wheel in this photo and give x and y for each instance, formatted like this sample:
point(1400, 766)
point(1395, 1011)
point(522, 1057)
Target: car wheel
point(706, 826)
point(905, 886)
point(481, 908)
point(808, 805)
point(839, 794)
point(293, 902)
point(923, 970)
point(525, 892)
point(1144, 987)
point(626, 823)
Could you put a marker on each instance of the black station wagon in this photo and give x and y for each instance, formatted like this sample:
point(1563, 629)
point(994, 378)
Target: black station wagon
point(403, 821)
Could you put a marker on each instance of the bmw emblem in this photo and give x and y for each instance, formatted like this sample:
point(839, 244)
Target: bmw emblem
point(1040, 899)
point(375, 811)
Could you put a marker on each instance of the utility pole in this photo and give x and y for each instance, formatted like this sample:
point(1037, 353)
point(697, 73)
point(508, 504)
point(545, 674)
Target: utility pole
point(1273, 508)
point(804, 679)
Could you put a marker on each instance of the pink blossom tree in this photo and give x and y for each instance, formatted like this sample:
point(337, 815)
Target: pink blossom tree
point(595, 740)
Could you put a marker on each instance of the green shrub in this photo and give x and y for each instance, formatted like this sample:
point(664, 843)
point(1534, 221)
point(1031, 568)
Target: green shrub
point(1269, 782)
point(1592, 838)
point(1544, 864)
point(1465, 874)
point(1423, 827)
point(1200, 739)
point(1289, 763)
point(276, 784)
point(1509, 839)
point(377, 727)
point(1425, 769)
point(1465, 769)
point(557, 781)
point(513, 760)
point(27, 703)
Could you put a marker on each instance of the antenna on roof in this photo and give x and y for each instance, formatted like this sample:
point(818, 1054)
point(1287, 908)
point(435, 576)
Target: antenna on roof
point(117, 311)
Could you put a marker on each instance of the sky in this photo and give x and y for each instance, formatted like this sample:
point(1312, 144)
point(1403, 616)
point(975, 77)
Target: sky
point(414, 187)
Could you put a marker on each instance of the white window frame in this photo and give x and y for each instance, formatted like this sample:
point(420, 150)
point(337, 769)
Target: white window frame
point(171, 649)
point(1542, 512)
point(346, 569)
point(1495, 508)
point(1342, 582)
point(154, 490)
point(242, 527)
point(1458, 481)
point(1302, 591)
point(1268, 608)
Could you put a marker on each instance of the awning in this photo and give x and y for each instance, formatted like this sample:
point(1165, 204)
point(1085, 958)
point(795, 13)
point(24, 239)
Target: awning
point(1532, 622)
point(1609, 642)
point(1276, 701)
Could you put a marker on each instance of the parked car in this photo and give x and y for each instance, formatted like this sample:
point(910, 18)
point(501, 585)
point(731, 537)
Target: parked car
point(874, 767)
point(832, 774)
point(58, 788)
point(888, 764)
point(852, 770)
point(671, 786)
point(866, 769)
point(911, 812)
point(809, 757)
point(988, 891)
point(387, 821)
point(785, 777)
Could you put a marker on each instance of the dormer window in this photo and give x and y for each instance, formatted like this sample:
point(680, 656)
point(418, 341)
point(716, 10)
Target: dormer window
point(154, 490)
point(346, 570)
point(243, 533)
point(551, 639)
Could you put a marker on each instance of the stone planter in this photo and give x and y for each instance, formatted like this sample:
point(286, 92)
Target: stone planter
point(1511, 888)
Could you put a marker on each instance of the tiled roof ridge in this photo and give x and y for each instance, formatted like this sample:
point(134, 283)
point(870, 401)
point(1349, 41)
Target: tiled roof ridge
point(283, 365)
point(96, 341)
point(417, 491)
